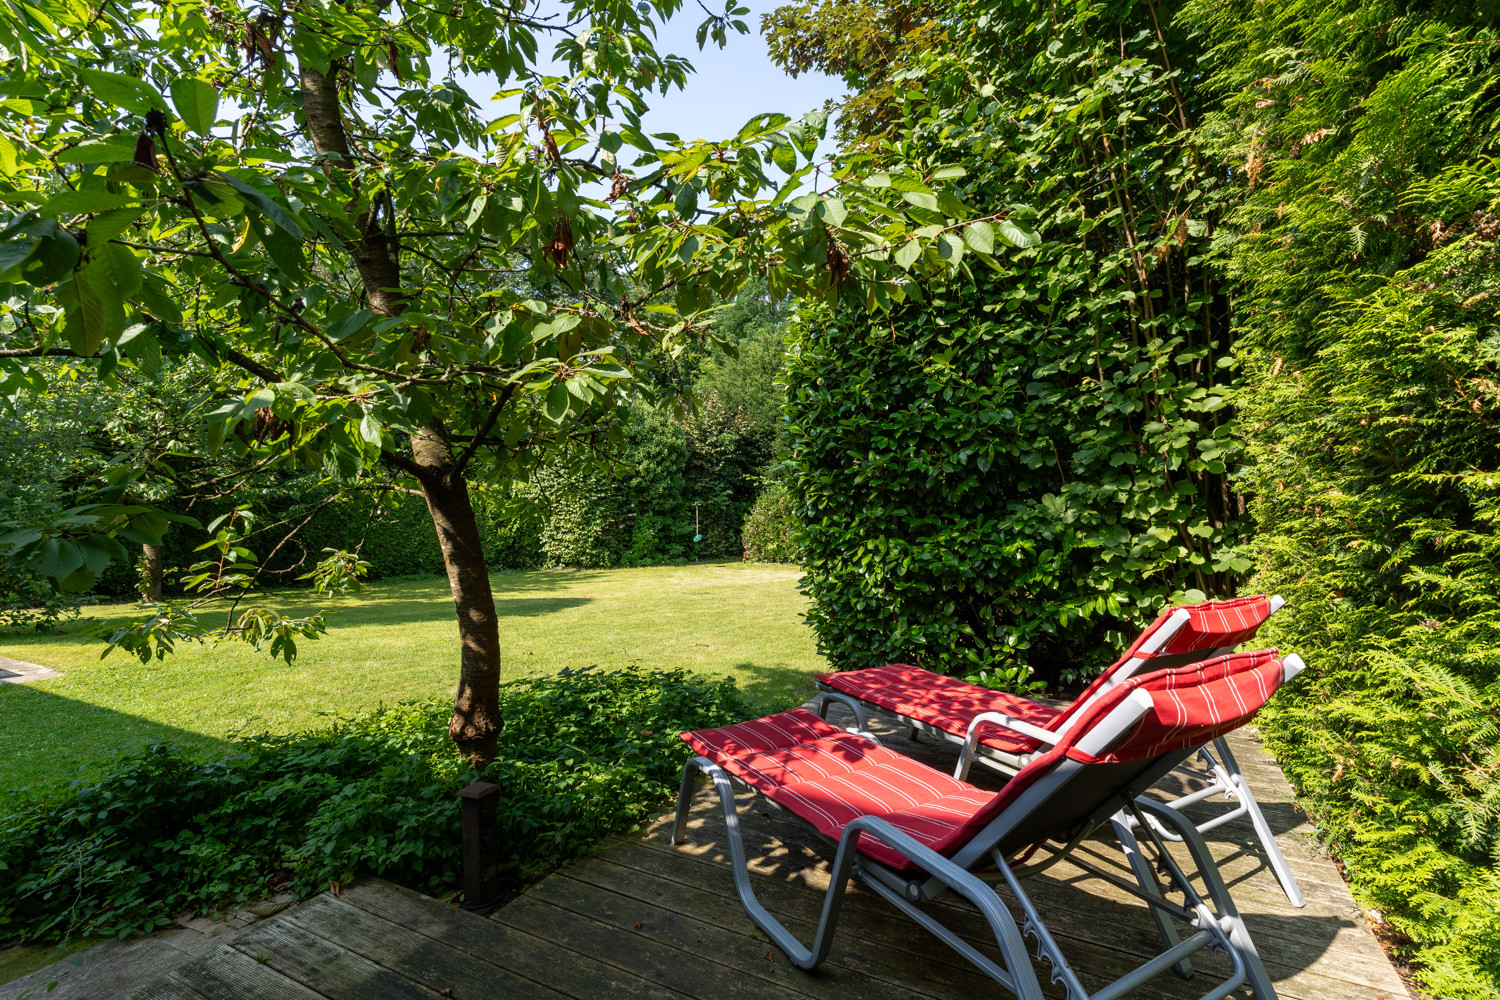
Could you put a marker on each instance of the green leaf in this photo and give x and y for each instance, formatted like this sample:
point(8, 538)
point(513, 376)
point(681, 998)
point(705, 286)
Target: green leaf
point(349, 325)
point(832, 211)
point(58, 557)
point(269, 208)
point(921, 200)
point(197, 103)
point(556, 407)
point(83, 202)
point(117, 265)
point(106, 226)
point(785, 157)
point(1017, 236)
point(156, 296)
point(908, 252)
point(369, 429)
point(122, 91)
point(980, 237)
point(686, 202)
point(92, 309)
point(109, 151)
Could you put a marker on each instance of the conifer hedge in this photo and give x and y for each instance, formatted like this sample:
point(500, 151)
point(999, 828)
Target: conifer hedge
point(1367, 310)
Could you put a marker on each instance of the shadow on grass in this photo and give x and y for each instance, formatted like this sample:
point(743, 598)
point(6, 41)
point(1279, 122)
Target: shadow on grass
point(49, 738)
point(774, 689)
point(388, 602)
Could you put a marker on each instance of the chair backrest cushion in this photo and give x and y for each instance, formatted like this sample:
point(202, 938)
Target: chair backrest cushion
point(1210, 625)
point(1190, 706)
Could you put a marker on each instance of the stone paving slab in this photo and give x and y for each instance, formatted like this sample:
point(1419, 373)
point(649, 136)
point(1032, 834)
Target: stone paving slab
point(19, 671)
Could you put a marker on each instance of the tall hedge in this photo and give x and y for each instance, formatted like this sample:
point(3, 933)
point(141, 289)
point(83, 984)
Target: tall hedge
point(1013, 475)
point(1368, 316)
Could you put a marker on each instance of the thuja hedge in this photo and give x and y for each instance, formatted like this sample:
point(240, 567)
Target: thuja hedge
point(1368, 315)
point(582, 754)
point(1012, 475)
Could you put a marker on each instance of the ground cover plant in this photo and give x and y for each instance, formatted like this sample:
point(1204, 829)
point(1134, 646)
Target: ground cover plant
point(584, 753)
point(722, 619)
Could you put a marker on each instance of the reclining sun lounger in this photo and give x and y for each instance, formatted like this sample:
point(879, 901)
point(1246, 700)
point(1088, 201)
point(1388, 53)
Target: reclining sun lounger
point(912, 833)
point(974, 716)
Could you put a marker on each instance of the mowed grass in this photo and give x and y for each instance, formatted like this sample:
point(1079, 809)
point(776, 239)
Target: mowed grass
point(393, 641)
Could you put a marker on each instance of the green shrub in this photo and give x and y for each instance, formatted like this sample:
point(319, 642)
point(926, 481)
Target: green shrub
point(583, 753)
point(1014, 474)
point(30, 601)
point(769, 534)
point(1368, 315)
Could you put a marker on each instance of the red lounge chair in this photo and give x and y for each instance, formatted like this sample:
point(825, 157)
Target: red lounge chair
point(912, 833)
point(1005, 730)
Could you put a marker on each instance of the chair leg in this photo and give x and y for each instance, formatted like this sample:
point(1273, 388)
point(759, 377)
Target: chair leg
point(1017, 975)
point(1229, 919)
point(1262, 828)
point(1147, 879)
point(802, 957)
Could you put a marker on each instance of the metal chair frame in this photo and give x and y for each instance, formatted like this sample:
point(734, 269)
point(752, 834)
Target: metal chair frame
point(1225, 777)
point(1219, 928)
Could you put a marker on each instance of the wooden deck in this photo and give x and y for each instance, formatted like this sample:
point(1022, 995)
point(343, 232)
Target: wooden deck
point(641, 919)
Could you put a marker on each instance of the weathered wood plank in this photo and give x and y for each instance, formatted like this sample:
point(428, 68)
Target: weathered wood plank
point(880, 945)
point(576, 975)
point(432, 963)
point(335, 972)
point(226, 973)
point(1088, 921)
point(685, 972)
point(741, 949)
point(162, 989)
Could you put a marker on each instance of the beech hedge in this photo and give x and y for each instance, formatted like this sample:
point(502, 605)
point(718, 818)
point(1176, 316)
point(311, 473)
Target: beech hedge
point(1013, 475)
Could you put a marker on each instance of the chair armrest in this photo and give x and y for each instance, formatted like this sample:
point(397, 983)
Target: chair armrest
point(825, 698)
point(971, 737)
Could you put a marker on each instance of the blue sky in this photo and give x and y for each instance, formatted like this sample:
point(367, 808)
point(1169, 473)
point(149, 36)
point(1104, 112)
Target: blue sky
point(732, 84)
point(728, 88)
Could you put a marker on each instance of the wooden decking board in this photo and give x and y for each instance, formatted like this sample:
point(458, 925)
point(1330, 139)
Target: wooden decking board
point(639, 955)
point(870, 927)
point(225, 972)
point(326, 968)
point(164, 989)
point(891, 962)
point(574, 935)
point(567, 971)
point(743, 950)
point(431, 963)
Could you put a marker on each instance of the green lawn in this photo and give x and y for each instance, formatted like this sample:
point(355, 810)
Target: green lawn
point(397, 640)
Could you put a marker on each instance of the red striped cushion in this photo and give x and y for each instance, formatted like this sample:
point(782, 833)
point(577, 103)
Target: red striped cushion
point(944, 702)
point(830, 777)
point(1218, 624)
point(1194, 704)
point(951, 705)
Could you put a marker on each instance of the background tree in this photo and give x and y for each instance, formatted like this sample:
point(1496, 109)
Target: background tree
point(304, 197)
point(867, 43)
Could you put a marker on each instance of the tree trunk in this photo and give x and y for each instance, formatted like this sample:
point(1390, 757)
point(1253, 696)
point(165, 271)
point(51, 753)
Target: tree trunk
point(151, 579)
point(476, 720)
